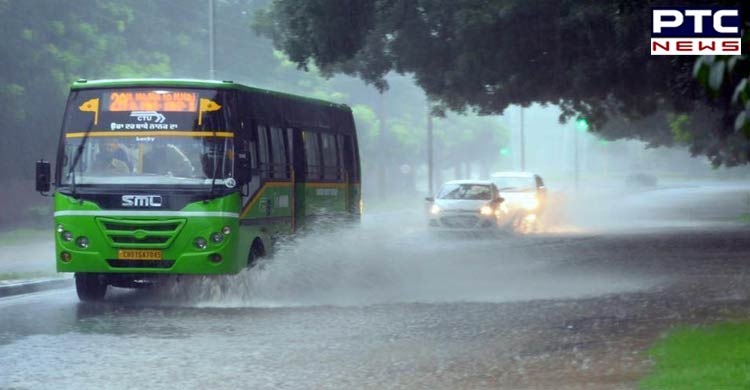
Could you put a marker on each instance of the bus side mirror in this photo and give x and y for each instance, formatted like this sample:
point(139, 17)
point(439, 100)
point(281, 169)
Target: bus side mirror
point(243, 172)
point(42, 176)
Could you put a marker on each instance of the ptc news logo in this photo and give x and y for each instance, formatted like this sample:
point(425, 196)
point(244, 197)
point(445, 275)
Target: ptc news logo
point(696, 31)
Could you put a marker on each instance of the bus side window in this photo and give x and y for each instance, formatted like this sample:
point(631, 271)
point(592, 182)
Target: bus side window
point(340, 150)
point(312, 155)
point(348, 157)
point(263, 160)
point(330, 157)
point(279, 168)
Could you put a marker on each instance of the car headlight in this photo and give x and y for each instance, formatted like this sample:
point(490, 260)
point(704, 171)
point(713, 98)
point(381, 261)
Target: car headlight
point(435, 209)
point(530, 203)
point(486, 210)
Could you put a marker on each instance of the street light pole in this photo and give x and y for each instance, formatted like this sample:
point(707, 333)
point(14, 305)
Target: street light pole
point(575, 158)
point(582, 125)
point(430, 168)
point(211, 41)
point(523, 145)
point(382, 155)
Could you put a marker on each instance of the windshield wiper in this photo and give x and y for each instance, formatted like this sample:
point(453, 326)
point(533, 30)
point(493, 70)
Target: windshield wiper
point(216, 166)
point(76, 158)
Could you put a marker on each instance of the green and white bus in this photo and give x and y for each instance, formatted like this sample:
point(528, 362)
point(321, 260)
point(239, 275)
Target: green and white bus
point(169, 176)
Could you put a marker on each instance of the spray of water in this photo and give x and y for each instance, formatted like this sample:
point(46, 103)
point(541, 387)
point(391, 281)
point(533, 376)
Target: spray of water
point(395, 259)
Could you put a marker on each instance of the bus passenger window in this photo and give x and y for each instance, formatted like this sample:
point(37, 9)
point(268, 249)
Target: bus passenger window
point(278, 153)
point(349, 164)
point(312, 154)
point(330, 157)
point(263, 160)
point(340, 149)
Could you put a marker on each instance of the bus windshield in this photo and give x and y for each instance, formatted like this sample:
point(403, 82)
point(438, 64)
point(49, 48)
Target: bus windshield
point(147, 136)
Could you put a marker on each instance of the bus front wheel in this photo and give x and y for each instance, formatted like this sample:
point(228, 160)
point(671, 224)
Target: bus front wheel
point(256, 252)
point(90, 286)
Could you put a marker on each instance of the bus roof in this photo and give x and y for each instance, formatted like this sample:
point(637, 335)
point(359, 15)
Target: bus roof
point(195, 83)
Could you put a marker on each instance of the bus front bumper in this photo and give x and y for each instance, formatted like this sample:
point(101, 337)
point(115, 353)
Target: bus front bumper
point(180, 256)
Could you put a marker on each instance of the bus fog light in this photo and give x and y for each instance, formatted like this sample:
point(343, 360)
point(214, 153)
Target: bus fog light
point(215, 258)
point(83, 242)
point(217, 238)
point(226, 230)
point(65, 256)
point(66, 236)
point(201, 243)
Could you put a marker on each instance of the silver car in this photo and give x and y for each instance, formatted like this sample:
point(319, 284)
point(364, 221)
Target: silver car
point(472, 205)
point(525, 195)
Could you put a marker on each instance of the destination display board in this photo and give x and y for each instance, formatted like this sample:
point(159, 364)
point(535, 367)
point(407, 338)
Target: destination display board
point(151, 101)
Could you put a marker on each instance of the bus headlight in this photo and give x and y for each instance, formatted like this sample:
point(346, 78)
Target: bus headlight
point(200, 243)
point(66, 236)
point(485, 210)
point(83, 242)
point(435, 209)
point(60, 228)
point(217, 238)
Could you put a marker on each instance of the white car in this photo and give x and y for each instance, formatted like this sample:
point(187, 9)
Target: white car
point(524, 192)
point(472, 205)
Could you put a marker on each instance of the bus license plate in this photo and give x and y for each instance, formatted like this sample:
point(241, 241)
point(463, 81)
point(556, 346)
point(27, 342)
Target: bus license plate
point(139, 254)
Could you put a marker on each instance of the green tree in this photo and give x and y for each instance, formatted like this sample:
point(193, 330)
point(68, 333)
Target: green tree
point(589, 58)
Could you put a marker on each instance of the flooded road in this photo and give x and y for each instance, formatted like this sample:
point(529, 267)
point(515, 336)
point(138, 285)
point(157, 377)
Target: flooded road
point(391, 306)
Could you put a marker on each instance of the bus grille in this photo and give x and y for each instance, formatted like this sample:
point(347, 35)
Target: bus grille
point(140, 233)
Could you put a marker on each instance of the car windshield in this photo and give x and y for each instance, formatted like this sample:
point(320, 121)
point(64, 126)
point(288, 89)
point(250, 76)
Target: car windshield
point(147, 135)
point(466, 192)
point(514, 183)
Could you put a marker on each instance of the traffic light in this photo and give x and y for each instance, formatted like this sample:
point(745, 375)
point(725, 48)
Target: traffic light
point(505, 151)
point(582, 124)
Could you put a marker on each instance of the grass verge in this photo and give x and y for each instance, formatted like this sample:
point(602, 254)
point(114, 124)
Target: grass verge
point(715, 357)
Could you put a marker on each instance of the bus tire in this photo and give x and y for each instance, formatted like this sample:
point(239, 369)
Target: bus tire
point(90, 286)
point(257, 251)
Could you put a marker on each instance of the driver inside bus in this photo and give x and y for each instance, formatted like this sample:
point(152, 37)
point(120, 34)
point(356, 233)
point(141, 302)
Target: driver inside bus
point(112, 159)
point(167, 159)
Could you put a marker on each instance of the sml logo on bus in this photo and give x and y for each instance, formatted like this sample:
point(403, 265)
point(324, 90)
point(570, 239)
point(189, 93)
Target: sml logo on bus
point(696, 31)
point(141, 200)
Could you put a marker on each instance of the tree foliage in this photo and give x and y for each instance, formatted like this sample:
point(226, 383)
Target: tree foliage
point(590, 58)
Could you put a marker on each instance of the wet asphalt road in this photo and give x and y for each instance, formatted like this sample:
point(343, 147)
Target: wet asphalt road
point(380, 307)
